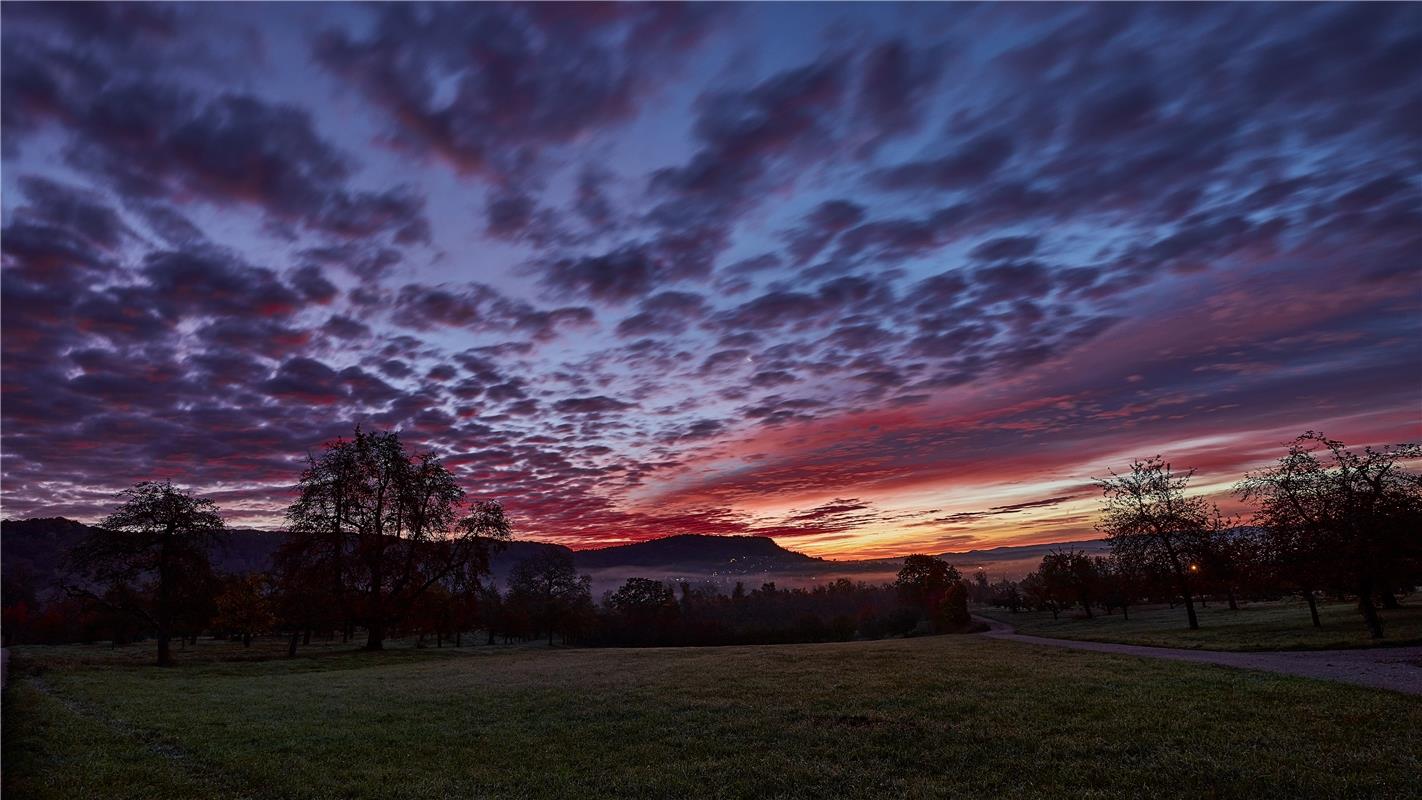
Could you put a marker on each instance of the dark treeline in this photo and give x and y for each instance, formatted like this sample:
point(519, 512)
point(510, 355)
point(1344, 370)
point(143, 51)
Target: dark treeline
point(929, 596)
point(1328, 521)
point(383, 543)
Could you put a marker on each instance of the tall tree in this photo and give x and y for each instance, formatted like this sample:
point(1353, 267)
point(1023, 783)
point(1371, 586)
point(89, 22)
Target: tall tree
point(1151, 523)
point(383, 526)
point(159, 536)
point(1341, 518)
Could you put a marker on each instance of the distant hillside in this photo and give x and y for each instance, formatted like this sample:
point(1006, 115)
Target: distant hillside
point(37, 546)
point(732, 553)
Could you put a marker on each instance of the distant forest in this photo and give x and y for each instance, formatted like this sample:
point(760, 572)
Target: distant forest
point(383, 543)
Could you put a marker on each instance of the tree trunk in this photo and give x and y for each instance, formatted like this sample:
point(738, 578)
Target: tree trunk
point(1229, 593)
point(1189, 604)
point(246, 640)
point(291, 645)
point(550, 635)
point(375, 637)
point(1126, 612)
point(306, 637)
point(459, 639)
point(1370, 614)
point(1313, 607)
point(165, 610)
point(491, 634)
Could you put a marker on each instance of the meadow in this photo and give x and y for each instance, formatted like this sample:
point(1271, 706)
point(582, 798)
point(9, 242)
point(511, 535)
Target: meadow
point(946, 716)
point(1274, 625)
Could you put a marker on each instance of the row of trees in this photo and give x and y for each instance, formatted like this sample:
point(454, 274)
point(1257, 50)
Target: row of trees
point(1328, 519)
point(383, 541)
point(376, 536)
point(546, 597)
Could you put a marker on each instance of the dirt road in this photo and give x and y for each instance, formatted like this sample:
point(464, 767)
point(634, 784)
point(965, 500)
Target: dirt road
point(1395, 668)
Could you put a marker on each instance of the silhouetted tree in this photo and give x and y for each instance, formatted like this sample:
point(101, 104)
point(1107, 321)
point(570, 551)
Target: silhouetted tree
point(385, 526)
point(643, 610)
point(1070, 576)
point(301, 601)
point(548, 585)
point(924, 582)
point(952, 613)
point(981, 587)
point(1222, 551)
point(1150, 522)
point(243, 607)
point(1120, 584)
point(159, 535)
point(1007, 594)
point(1037, 595)
point(1343, 519)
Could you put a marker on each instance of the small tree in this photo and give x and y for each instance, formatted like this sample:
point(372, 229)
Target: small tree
point(925, 582)
point(1036, 594)
point(243, 607)
point(1222, 551)
point(1070, 576)
point(159, 536)
point(1151, 523)
point(952, 613)
point(643, 609)
point(1120, 585)
point(548, 585)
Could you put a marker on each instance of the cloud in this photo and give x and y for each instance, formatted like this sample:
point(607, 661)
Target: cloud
point(591, 405)
point(523, 79)
point(634, 281)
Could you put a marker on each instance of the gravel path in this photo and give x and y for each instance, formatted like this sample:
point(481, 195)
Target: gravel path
point(1395, 668)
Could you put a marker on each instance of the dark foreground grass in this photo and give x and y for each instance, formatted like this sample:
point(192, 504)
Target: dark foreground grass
point(1282, 625)
point(934, 717)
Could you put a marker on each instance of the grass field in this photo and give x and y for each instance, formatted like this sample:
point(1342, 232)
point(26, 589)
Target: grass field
point(930, 717)
point(1283, 625)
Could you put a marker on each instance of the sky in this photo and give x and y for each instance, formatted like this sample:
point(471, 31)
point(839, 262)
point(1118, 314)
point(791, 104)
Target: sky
point(869, 279)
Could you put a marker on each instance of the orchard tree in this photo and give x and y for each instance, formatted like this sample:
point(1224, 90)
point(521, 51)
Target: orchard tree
point(547, 585)
point(243, 607)
point(1120, 584)
point(379, 526)
point(1152, 525)
point(1037, 595)
point(158, 537)
point(1070, 576)
point(1223, 552)
point(1342, 519)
